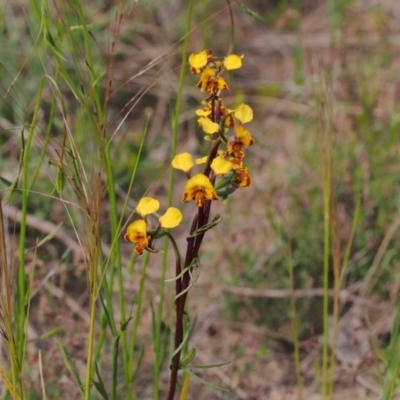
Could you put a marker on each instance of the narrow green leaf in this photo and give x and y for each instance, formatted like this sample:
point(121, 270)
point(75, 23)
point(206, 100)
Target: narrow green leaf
point(100, 384)
point(50, 236)
point(253, 14)
point(71, 368)
point(208, 384)
point(6, 181)
point(188, 357)
point(115, 368)
point(208, 366)
point(108, 316)
point(139, 362)
point(60, 179)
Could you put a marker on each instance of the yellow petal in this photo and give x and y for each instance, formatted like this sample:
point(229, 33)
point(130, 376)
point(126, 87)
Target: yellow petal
point(220, 165)
point(183, 161)
point(237, 164)
point(243, 136)
point(207, 125)
point(201, 160)
point(221, 84)
point(199, 181)
point(171, 218)
point(198, 60)
point(147, 205)
point(244, 113)
point(233, 62)
point(203, 113)
point(136, 231)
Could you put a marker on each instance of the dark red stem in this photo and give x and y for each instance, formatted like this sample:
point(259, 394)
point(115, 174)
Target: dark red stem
point(192, 252)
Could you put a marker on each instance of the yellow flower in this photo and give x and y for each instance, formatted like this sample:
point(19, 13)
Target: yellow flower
point(137, 233)
point(147, 205)
point(210, 81)
point(243, 113)
point(243, 178)
point(208, 126)
point(171, 218)
point(206, 76)
point(241, 140)
point(216, 84)
point(233, 62)
point(243, 136)
point(183, 161)
point(199, 188)
point(220, 165)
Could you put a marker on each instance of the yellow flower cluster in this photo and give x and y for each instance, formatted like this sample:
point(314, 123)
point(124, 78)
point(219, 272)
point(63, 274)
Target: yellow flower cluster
point(138, 232)
point(216, 120)
point(224, 170)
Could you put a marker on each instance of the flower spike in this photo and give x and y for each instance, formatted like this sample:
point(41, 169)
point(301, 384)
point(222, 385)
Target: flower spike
point(223, 173)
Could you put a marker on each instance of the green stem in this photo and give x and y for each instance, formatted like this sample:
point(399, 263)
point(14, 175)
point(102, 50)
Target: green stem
point(295, 330)
point(21, 284)
point(139, 302)
point(90, 348)
point(327, 228)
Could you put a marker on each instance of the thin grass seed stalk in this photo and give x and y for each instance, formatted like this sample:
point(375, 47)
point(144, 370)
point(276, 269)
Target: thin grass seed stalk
point(223, 172)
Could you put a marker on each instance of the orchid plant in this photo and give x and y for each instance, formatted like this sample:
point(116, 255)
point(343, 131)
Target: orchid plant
point(223, 172)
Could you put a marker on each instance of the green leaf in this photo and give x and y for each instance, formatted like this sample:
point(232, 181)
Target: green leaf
point(100, 384)
point(209, 365)
point(188, 357)
point(6, 181)
point(250, 12)
point(124, 325)
point(50, 236)
point(205, 383)
point(108, 316)
point(71, 368)
point(139, 362)
point(60, 179)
